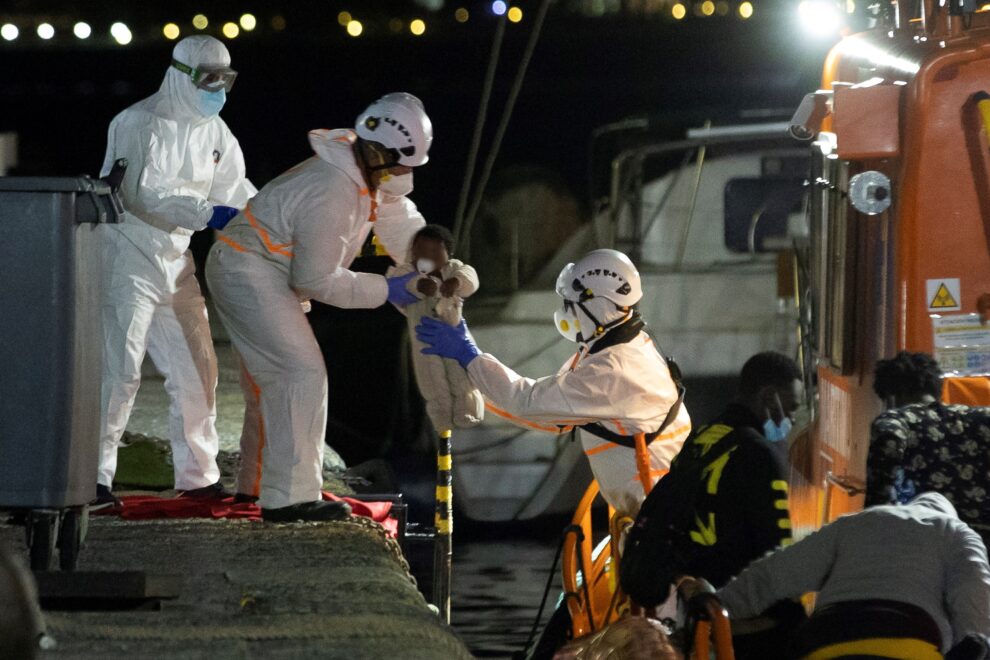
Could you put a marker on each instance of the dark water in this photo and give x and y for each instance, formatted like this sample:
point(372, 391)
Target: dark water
point(496, 591)
point(499, 570)
point(499, 575)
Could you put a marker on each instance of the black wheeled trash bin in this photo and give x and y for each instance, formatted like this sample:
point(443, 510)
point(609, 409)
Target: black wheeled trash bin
point(51, 352)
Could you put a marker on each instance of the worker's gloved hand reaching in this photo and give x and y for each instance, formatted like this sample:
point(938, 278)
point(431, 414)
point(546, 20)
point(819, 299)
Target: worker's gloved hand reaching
point(454, 342)
point(221, 216)
point(398, 295)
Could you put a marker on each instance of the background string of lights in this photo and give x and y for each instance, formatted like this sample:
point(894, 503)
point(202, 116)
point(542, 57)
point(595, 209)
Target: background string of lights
point(352, 23)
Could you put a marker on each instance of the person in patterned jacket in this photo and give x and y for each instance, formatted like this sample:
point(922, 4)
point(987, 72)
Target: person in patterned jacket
point(921, 444)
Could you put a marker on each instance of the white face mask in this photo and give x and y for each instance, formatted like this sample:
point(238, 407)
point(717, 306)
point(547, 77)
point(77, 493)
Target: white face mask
point(396, 185)
point(570, 319)
point(425, 266)
point(567, 322)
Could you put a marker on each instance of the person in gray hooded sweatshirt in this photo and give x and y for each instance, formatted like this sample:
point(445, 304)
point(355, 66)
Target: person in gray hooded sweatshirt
point(894, 581)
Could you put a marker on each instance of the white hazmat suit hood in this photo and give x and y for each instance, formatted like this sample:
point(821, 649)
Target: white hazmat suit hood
point(177, 97)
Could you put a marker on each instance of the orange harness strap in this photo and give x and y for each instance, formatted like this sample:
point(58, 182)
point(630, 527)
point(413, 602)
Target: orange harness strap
point(643, 463)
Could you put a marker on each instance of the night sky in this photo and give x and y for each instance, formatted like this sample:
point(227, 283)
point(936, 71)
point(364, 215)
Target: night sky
point(60, 95)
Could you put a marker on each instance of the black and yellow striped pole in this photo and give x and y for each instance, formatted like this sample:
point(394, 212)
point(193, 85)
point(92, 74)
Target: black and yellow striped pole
point(443, 520)
point(983, 106)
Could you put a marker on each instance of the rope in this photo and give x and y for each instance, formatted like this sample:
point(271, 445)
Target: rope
point(546, 591)
point(504, 124)
point(479, 125)
point(585, 578)
point(700, 164)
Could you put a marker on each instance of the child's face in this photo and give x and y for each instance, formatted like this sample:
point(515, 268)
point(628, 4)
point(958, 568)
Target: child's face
point(432, 249)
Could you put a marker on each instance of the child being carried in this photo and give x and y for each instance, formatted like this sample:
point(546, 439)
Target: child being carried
point(444, 283)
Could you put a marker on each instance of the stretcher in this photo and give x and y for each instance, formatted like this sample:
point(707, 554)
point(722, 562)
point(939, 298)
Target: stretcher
point(590, 575)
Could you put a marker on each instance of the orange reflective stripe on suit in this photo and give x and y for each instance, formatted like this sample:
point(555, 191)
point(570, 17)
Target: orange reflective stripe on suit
point(525, 422)
point(275, 248)
point(256, 485)
point(232, 243)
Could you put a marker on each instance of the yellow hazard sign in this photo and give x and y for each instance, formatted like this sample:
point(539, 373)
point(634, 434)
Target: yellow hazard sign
point(943, 295)
point(943, 298)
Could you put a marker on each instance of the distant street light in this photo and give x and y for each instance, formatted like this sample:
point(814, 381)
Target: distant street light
point(230, 30)
point(46, 31)
point(417, 27)
point(354, 28)
point(9, 31)
point(171, 31)
point(82, 30)
point(121, 33)
point(248, 22)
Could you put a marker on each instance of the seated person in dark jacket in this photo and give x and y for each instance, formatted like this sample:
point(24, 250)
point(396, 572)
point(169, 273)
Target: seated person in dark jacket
point(921, 444)
point(741, 508)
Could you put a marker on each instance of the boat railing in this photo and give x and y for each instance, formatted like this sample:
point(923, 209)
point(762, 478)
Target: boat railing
point(627, 170)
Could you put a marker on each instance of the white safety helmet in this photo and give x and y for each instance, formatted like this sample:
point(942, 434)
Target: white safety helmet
point(398, 122)
point(597, 293)
point(601, 274)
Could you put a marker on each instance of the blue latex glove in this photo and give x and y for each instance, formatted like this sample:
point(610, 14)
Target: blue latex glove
point(397, 293)
point(221, 216)
point(447, 341)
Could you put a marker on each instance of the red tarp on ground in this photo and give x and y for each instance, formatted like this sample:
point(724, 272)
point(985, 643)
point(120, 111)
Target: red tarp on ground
point(145, 507)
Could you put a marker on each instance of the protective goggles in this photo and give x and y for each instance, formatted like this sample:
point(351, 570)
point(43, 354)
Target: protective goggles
point(209, 78)
point(389, 155)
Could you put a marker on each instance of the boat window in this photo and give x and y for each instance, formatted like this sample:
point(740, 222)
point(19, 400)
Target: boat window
point(758, 212)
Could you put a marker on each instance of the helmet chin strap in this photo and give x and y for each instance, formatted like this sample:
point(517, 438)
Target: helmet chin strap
point(600, 328)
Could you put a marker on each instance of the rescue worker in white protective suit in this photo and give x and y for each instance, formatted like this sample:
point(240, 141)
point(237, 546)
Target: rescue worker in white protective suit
point(616, 386)
point(185, 172)
point(294, 242)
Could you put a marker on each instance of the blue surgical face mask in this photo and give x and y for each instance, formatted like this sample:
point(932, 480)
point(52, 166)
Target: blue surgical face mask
point(775, 432)
point(210, 103)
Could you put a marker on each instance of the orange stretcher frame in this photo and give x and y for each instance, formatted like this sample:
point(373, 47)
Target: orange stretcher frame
point(591, 582)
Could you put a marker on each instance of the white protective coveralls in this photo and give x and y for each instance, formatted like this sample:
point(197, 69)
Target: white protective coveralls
point(451, 400)
point(626, 387)
point(181, 164)
point(295, 241)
